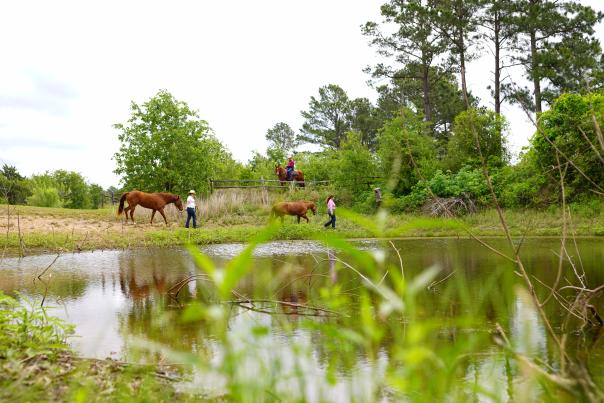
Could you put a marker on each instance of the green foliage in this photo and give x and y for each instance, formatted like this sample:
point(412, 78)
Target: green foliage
point(13, 187)
point(328, 118)
point(281, 141)
point(556, 45)
point(355, 165)
point(26, 329)
point(468, 183)
point(404, 148)
point(469, 125)
point(166, 147)
point(43, 196)
point(446, 100)
point(96, 195)
point(366, 120)
point(569, 131)
point(72, 189)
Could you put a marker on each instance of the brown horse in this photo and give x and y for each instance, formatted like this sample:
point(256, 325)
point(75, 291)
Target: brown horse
point(298, 208)
point(297, 176)
point(153, 201)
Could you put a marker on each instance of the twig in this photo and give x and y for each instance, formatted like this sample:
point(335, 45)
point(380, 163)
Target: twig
point(435, 283)
point(400, 259)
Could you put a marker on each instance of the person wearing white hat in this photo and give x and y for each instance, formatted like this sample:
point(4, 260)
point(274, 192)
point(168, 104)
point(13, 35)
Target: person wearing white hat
point(191, 207)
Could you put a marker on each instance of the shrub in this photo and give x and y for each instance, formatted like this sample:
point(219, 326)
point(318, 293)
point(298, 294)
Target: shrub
point(43, 196)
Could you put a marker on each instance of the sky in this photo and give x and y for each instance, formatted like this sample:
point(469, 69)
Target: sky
point(70, 70)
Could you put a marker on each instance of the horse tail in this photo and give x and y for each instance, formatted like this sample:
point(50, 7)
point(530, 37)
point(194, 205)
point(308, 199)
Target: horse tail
point(121, 207)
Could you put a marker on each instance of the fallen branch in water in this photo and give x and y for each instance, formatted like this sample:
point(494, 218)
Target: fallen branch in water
point(435, 283)
point(317, 311)
point(184, 282)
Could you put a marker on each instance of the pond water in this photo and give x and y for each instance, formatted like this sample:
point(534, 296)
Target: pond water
point(115, 297)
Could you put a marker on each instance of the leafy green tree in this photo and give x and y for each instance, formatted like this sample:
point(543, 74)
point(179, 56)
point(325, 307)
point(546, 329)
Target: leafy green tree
point(166, 147)
point(356, 165)
point(567, 133)
point(45, 192)
point(73, 189)
point(282, 140)
point(463, 148)
point(366, 120)
point(96, 195)
point(407, 35)
point(406, 150)
point(13, 186)
point(328, 118)
point(555, 34)
point(321, 165)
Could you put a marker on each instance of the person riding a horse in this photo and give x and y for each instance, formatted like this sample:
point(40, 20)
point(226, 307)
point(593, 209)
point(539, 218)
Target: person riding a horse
point(290, 167)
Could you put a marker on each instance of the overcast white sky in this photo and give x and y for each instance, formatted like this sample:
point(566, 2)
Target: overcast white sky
point(70, 69)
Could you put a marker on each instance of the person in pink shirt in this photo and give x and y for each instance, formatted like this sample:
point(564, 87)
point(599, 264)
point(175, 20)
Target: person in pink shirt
point(331, 210)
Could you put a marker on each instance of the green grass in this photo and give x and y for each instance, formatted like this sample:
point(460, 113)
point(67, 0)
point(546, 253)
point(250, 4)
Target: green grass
point(240, 223)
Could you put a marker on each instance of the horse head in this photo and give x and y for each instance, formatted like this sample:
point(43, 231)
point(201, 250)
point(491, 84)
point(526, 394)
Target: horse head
point(313, 207)
point(178, 203)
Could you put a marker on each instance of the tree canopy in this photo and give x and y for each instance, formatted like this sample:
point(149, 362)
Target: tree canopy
point(165, 146)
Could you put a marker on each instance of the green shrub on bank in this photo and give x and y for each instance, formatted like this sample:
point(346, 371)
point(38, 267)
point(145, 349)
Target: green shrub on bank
point(45, 196)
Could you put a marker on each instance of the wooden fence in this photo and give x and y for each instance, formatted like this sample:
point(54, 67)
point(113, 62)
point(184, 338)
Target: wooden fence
point(261, 184)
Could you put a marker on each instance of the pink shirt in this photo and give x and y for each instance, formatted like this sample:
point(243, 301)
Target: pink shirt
point(331, 206)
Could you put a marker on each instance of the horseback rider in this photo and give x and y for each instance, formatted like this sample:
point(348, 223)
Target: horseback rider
point(290, 167)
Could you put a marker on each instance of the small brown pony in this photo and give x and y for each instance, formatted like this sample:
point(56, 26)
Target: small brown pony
point(153, 201)
point(298, 208)
point(297, 175)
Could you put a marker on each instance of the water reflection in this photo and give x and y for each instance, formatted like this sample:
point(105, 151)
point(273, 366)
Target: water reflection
point(111, 296)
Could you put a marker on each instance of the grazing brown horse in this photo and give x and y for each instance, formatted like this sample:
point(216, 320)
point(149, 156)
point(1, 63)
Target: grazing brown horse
point(153, 201)
point(297, 175)
point(297, 208)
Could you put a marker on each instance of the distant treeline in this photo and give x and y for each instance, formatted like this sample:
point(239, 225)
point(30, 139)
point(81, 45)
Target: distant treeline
point(52, 189)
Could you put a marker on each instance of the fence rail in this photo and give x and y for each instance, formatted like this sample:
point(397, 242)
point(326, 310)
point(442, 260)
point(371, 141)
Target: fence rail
point(260, 183)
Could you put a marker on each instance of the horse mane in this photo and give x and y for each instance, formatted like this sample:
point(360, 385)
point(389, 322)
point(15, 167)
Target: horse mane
point(167, 196)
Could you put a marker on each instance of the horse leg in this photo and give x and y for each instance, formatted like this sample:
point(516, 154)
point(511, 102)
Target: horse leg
point(161, 211)
point(152, 215)
point(132, 214)
point(126, 213)
point(298, 219)
point(306, 218)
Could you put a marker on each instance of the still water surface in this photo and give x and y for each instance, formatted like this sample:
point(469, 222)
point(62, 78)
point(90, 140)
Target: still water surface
point(112, 295)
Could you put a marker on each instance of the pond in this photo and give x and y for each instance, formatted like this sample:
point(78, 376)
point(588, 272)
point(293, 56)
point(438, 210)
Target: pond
point(120, 300)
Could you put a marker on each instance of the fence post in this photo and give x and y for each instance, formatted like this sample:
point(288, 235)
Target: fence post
point(264, 191)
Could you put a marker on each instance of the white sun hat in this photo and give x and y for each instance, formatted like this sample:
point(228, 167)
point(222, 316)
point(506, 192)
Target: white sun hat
point(191, 192)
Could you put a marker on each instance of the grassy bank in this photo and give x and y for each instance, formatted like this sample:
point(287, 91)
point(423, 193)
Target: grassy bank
point(235, 218)
point(36, 364)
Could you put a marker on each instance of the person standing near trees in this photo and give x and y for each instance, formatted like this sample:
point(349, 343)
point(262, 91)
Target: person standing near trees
point(331, 210)
point(191, 207)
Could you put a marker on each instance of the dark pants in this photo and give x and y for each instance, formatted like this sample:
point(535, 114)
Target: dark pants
point(191, 214)
point(332, 220)
point(290, 172)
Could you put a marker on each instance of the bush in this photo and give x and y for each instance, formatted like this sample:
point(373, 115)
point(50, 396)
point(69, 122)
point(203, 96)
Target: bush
point(45, 197)
point(468, 183)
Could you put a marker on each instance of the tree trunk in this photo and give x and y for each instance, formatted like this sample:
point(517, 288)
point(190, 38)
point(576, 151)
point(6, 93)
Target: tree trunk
point(536, 80)
point(497, 83)
point(462, 56)
point(426, 92)
point(464, 86)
